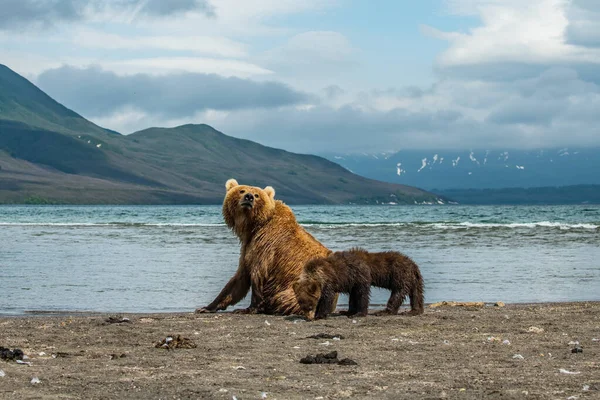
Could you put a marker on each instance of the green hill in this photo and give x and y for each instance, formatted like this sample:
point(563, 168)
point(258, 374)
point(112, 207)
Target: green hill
point(49, 153)
point(22, 101)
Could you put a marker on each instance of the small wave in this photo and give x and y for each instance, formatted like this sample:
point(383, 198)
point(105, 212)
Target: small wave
point(458, 225)
point(541, 224)
point(357, 224)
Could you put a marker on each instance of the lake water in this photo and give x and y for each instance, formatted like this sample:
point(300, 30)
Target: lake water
point(176, 258)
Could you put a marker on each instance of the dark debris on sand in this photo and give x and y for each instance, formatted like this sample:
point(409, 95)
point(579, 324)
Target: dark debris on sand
point(325, 336)
point(117, 320)
point(328, 358)
point(175, 342)
point(11, 355)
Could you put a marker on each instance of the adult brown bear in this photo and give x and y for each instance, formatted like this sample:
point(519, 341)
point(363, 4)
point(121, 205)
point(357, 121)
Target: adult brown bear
point(274, 250)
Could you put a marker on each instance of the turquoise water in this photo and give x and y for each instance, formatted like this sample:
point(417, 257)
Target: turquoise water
point(176, 258)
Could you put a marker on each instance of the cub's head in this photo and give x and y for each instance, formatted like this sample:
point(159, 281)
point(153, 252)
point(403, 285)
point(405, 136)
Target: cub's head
point(308, 289)
point(246, 206)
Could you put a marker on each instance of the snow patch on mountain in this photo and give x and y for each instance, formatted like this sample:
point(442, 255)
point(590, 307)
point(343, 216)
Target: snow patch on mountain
point(472, 158)
point(399, 170)
point(495, 168)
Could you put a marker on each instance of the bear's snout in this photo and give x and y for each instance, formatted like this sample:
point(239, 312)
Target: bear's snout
point(248, 200)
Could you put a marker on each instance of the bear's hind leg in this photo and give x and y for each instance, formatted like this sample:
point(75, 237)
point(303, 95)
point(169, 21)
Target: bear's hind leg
point(256, 304)
point(416, 296)
point(393, 305)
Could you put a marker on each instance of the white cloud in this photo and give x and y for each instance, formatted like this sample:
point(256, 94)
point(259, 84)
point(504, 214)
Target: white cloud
point(527, 76)
point(205, 65)
point(438, 34)
point(31, 65)
point(239, 19)
point(313, 59)
point(313, 46)
point(97, 92)
point(17, 15)
point(127, 120)
point(213, 45)
point(523, 32)
point(514, 33)
point(252, 17)
point(584, 28)
point(131, 119)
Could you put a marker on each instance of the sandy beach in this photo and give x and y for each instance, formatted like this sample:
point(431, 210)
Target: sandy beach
point(516, 351)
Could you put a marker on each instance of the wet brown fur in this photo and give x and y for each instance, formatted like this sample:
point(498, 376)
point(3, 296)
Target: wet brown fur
point(354, 272)
point(274, 250)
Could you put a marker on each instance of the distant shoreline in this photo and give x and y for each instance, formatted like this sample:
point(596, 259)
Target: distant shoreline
point(547, 195)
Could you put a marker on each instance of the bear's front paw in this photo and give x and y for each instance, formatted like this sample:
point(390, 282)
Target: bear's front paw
point(357, 315)
point(249, 310)
point(383, 312)
point(204, 310)
point(412, 313)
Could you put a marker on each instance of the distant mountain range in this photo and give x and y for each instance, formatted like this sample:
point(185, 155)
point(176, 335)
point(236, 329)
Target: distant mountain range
point(50, 154)
point(478, 169)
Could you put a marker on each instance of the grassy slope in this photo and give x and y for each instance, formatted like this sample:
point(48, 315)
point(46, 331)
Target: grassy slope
point(22, 101)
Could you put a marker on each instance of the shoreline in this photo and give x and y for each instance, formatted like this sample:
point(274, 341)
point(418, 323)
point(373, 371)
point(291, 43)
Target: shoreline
point(448, 352)
point(372, 307)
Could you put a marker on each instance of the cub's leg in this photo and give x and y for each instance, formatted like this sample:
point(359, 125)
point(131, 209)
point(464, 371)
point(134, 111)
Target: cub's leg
point(325, 304)
point(351, 307)
point(395, 301)
point(359, 300)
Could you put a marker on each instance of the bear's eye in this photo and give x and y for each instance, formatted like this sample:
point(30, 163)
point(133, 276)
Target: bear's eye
point(256, 196)
point(242, 191)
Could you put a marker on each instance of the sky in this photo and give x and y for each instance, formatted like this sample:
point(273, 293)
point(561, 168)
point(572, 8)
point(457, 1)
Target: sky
point(318, 76)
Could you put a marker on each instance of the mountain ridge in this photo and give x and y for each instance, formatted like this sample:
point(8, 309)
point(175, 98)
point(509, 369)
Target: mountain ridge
point(34, 107)
point(51, 154)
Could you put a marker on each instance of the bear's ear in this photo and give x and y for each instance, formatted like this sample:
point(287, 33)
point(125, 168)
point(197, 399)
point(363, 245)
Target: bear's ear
point(270, 192)
point(231, 183)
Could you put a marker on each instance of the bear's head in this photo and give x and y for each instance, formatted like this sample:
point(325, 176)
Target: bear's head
point(245, 207)
point(308, 288)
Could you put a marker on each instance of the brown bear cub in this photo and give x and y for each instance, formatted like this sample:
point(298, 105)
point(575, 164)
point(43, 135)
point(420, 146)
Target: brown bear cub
point(353, 272)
